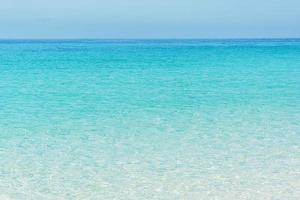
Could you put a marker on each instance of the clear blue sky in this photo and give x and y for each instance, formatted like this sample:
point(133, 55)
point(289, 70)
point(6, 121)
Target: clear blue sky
point(149, 18)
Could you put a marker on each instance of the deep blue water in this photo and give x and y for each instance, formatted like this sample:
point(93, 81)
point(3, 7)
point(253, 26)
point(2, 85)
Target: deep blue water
point(150, 119)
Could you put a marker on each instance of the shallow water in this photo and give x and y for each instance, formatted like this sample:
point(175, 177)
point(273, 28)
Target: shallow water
point(136, 119)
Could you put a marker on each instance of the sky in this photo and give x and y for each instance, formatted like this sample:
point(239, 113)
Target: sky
point(149, 19)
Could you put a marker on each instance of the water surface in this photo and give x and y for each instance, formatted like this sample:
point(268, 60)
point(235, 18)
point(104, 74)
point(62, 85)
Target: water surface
point(150, 119)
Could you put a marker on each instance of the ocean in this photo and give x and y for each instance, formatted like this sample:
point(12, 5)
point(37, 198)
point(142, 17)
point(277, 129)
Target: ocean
point(150, 119)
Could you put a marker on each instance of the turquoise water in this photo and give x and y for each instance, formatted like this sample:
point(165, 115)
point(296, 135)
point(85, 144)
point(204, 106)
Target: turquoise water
point(143, 119)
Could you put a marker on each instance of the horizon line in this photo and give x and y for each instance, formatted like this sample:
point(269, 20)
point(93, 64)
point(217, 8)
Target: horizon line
point(225, 38)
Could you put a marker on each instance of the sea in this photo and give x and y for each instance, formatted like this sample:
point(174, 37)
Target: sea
point(215, 119)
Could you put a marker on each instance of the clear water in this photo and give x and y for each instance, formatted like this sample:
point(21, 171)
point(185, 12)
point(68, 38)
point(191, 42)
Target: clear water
point(134, 120)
